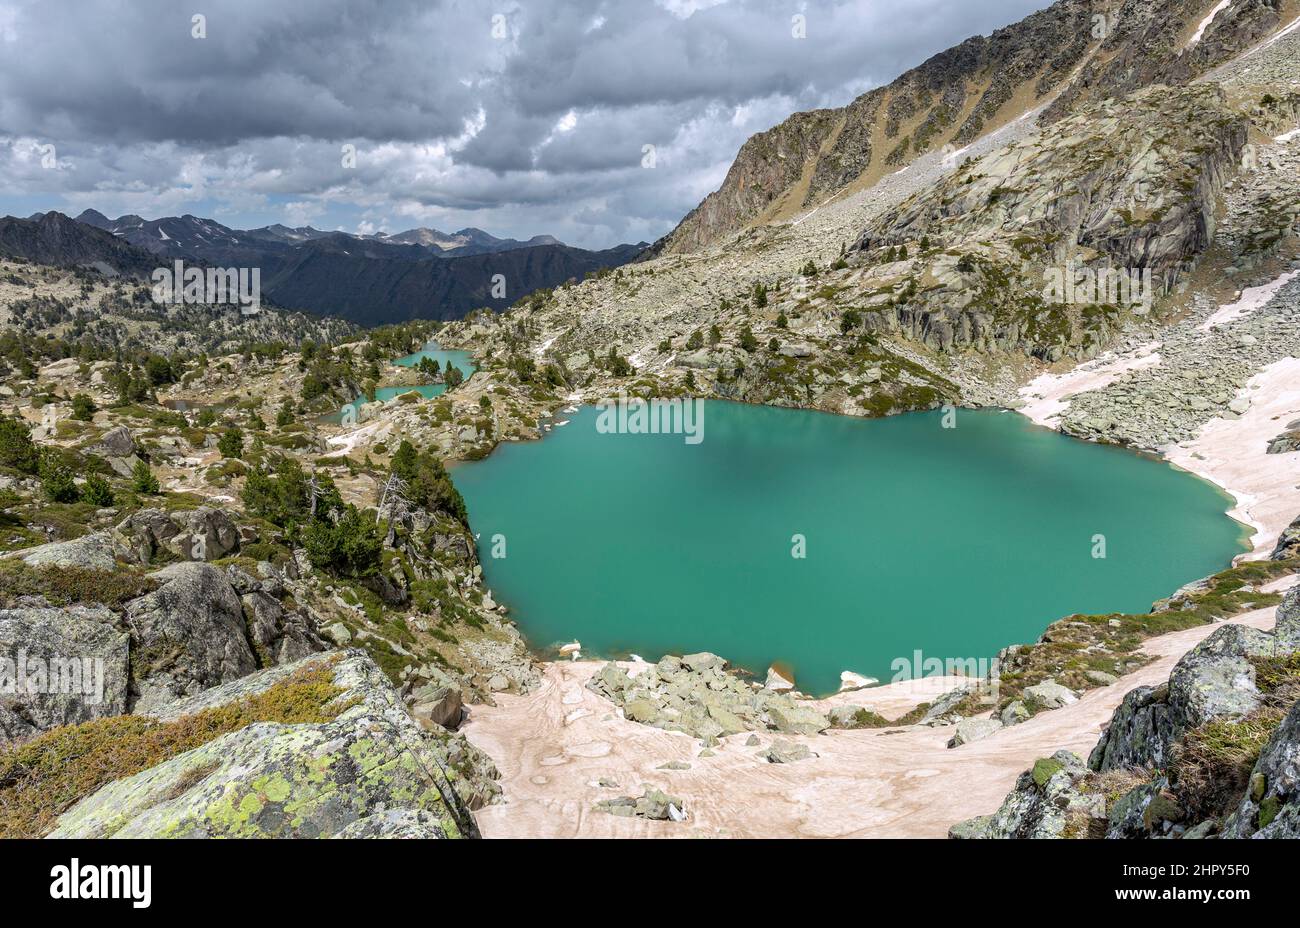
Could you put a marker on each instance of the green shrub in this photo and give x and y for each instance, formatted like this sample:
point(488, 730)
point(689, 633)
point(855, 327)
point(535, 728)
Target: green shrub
point(350, 547)
point(231, 443)
point(143, 480)
point(83, 407)
point(98, 492)
point(17, 449)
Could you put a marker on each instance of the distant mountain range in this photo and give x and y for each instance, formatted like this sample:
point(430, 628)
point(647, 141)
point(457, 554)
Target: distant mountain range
point(367, 279)
point(173, 233)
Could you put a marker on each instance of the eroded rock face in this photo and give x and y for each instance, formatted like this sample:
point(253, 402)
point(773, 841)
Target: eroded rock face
point(202, 534)
point(60, 667)
point(370, 772)
point(189, 634)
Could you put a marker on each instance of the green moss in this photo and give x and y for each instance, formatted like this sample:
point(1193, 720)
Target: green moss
point(1044, 769)
point(1268, 810)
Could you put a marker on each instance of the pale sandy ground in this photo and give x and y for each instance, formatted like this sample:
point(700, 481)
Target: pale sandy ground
point(1045, 397)
point(553, 747)
point(1232, 454)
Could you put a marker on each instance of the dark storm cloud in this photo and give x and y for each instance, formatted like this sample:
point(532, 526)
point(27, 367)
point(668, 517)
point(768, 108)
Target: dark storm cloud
point(533, 122)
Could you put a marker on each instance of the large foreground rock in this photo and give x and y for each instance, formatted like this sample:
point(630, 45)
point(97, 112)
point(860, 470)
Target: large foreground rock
point(1214, 680)
point(59, 667)
point(189, 634)
point(371, 772)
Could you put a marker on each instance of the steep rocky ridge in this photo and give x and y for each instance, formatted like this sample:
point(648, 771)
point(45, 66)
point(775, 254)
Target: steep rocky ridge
point(1072, 53)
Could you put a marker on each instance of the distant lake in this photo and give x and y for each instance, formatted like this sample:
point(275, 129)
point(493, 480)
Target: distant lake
point(460, 359)
point(955, 542)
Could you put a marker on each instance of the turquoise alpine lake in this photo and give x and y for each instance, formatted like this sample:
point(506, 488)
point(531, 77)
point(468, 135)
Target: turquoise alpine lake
point(952, 542)
point(460, 359)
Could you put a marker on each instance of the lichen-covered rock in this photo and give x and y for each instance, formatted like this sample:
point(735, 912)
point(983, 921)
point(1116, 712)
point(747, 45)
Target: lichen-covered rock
point(695, 694)
point(202, 534)
point(189, 635)
point(60, 667)
point(1271, 806)
point(653, 804)
point(1139, 731)
point(969, 730)
point(785, 715)
point(1047, 695)
point(1047, 802)
point(96, 551)
point(786, 752)
point(274, 780)
point(397, 823)
point(1216, 678)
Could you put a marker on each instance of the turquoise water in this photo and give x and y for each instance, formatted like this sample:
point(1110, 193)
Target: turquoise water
point(460, 359)
point(956, 542)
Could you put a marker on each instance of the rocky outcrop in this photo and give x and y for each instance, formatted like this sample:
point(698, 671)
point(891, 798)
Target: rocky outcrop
point(695, 694)
point(96, 551)
point(60, 667)
point(189, 635)
point(370, 772)
point(1215, 680)
point(202, 534)
point(1288, 543)
point(1005, 253)
point(653, 804)
point(1047, 802)
point(1170, 753)
point(1073, 47)
point(278, 635)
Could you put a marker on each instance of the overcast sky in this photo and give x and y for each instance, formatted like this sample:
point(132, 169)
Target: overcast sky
point(518, 118)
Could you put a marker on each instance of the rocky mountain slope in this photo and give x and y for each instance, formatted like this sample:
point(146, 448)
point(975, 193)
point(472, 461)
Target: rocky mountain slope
point(1073, 53)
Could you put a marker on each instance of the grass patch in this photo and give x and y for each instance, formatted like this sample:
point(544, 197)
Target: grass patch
point(42, 779)
point(1212, 764)
point(63, 586)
